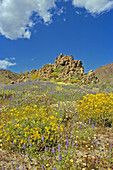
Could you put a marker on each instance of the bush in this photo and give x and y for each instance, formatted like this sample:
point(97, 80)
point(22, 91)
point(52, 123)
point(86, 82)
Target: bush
point(54, 75)
point(44, 78)
point(73, 81)
point(58, 80)
point(57, 69)
point(35, 76)
point(29, 125)
point(98, 107)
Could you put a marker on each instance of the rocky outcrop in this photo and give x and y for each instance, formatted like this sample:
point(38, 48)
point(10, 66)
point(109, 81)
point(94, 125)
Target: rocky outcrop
point(65, 69)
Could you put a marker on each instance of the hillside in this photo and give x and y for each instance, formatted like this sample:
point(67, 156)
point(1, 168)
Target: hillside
point(105, 73)
point(6, 76)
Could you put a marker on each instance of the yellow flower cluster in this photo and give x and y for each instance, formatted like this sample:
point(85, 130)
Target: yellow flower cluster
point(20, 123)
point(98, 107)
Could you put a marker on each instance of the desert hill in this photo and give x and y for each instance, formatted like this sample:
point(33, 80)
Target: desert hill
point(105, 73)
point(6, 76)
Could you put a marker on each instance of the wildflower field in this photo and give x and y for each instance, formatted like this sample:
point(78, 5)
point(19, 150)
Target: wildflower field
point(55, 126)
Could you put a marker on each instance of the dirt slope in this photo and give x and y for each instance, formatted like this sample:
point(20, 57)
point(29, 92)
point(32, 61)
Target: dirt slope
point(6, 76)
point(105, 73)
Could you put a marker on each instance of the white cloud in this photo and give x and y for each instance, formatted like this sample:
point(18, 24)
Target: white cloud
point(94, 6)
point(64, 19)
point(77, 12)
point(16, 16)
point(5, 63)
point(11, 58)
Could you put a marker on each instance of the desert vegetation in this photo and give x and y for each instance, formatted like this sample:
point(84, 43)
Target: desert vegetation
point(54, 125)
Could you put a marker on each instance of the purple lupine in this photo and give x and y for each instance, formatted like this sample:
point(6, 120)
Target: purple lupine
point(13, 143)
point(54, 168)
point(108, 159)
point(30, 144)
point(59, 148)
point(71, 132)
point(43, 138)
point(93, 126)
point(28, 155)
point(89, 120)
point(60, 157)
point(81, 126)
point(24, 145)
point(67, 143)
point(23, 168)
point(53, 150)
point(17, 167)
point(43, 167)
point(46, 149)
point(29, 137)
point(95, 142)
point(111, 146)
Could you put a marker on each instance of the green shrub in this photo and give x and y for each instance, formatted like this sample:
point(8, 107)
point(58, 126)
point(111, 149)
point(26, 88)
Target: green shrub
point(44, 78)
point(35, 76)
point(58, 80)
point(73, 81)
point(54, 75)
point(57, 69)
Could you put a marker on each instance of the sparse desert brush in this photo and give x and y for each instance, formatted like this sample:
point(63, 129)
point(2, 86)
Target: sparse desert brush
point(98, 107)
point(54, 75)
point(58, 80)
point(73, 81)
point(35, 76)
point(57, 69)
point(7, 93)
point(30, 124)
point(44, 78)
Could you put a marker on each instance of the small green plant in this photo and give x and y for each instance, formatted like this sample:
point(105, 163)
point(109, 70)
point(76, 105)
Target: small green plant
point(58, 80)
point(73, 81)
point(44, 78)
point(23, 73)
point(35, 76)
point(54, 75)
point(57, 69)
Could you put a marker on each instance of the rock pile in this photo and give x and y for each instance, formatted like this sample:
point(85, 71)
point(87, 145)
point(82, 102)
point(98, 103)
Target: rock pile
point(65, 68)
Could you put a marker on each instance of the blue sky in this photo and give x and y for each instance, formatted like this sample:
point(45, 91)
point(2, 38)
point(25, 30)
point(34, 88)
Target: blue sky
point(33, 33)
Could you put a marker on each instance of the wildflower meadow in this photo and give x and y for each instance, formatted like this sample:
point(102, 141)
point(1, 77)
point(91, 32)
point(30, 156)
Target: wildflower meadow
point(55, 126)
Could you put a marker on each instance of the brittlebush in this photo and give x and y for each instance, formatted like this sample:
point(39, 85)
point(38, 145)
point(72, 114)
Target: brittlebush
point(28, 125)
point(96, 107)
